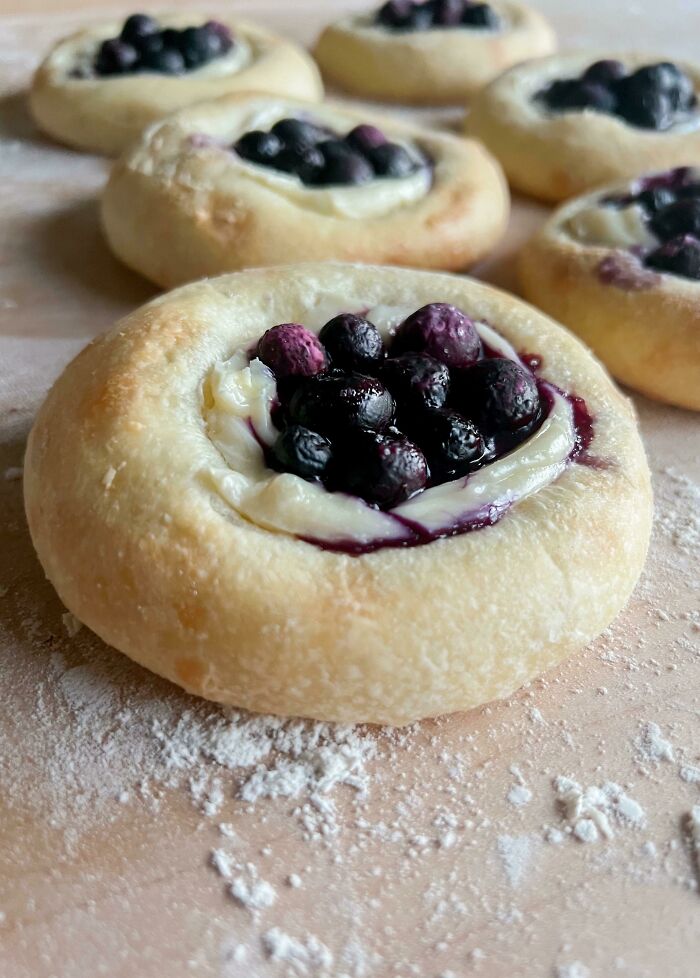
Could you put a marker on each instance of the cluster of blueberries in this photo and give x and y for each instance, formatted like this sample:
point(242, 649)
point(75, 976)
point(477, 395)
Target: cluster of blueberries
point(652, 97)
point(385, 424)
point(143, 45)
point(319, 157)
point(671, 204)
point(407, 15)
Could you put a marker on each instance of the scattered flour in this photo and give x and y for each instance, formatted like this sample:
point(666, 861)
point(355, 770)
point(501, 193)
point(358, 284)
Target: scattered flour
point(305, 957)
point(574, 970)
point(652, 747)
point(689, 774)
point(679, 519)
point(516, 853)
point(252, 892)
point(592, 811)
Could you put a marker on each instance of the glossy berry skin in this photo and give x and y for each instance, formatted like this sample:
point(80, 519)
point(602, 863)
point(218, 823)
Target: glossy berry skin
point(297, 133)
point(442, 331)
point(306, 162)
point(574, 95)
point(259, 147)
point(395, 14)
point(604, 72)
point(499, 395)
point(417, 382)
point(679, 218)
point(391, 160)
point(337, 403)
point(300, 451)
point(382, 469)
point(452, 444)
point(655, 199)
point(291, 350)
point(365, 138)
point(137, 27)
point(642, 105)
point(447, 13)
point(343, 165)
point(480, 15)
point(116, 57)
point(353, 343)
point(167, 61)
point(681, 256)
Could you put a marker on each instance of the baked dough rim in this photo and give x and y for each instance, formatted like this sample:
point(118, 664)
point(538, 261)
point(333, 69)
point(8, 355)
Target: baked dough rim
point(104, 115)
point(146, 557)
point(554, 157)
point(149, 200)
point(648, 338)
point(440, 66)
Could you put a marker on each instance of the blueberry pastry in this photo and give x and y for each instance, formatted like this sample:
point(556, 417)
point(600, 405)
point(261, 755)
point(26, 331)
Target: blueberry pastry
point(346, 492)
point(248, 181)
point(430, 52)
point(567, 124)
point(99, 88)
point(621, 267)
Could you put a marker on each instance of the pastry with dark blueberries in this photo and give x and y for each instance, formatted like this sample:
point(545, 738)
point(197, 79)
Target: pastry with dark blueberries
point(246, 181)
point(430, 51)
point(353, 493)
point(97, 89)
point(621, 267)
point(566, 124)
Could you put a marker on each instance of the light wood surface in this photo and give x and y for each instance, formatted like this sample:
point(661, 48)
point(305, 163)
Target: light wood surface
point(93, 886)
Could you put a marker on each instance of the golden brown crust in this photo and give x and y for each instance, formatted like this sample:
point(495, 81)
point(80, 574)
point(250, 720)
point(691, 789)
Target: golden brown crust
point(143, 552)
point(556, 156)
point(431, 67)
point(176, 212)
point(104, 115)
point(647, 332)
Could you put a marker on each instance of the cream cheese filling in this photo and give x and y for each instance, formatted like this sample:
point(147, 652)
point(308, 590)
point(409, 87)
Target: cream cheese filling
point(613, 227)
point(238, 397)
point(374, 199)
point(81, 56)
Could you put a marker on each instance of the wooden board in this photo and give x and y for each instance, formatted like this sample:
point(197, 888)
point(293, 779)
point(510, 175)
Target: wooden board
point(451, 855)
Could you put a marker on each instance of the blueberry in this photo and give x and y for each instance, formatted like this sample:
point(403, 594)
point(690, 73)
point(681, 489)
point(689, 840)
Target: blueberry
point(291, 350)
point(395, 14)
point(391, 160)
point(447, 13)
point(678, 257)
point(365, 138)
point(404, 15)
point(300, 451)
point(567, 95)
point(353, 343)
point(655, 199)
point(138, 27)
point(258, 147)
point(443, 332)
point(499, 395)
point(480, 15)
point(295, 133)
point(337, 403)
point(679, 218)
point(604, 72)
point(452, 445)
point(381, 469)
point(306, 162)
point(195, 46)
point(342, 165)
point(150, 45)
point(168, 61)
point(220, 37)
point(642, 104)
point(115, 57)
point(417, 382)
point(667, 78)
